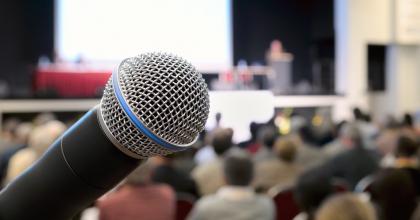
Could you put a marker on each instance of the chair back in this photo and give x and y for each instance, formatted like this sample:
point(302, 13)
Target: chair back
point(364, 185)
point(286, 206)
point(184, 204)
point(340, 185)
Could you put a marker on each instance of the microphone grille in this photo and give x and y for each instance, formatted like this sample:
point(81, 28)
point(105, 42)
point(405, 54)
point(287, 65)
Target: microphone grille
point(154, 104)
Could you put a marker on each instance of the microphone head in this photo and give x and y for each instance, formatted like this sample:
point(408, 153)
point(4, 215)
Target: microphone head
point(154, 104)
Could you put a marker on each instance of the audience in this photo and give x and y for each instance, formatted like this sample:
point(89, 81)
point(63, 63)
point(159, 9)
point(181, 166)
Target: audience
point(22, 133)
point(346, 206)
point(311, 189)
point(39, 141)
point(209, 176)
point(394, 195)
point(266, 137)
point(225, 175)
point(308, 155)
point(280, 171)
point(355, 162)
point(236, 200)
point(139, 198)
point(165, 172)
point(406, 159)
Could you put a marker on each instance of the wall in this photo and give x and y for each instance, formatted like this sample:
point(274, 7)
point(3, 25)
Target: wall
point(357, 24)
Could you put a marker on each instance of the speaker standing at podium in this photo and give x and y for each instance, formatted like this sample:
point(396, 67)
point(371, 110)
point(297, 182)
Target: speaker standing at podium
point(280, 77)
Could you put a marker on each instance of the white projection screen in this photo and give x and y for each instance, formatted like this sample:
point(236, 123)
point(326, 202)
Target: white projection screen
point(107, 31)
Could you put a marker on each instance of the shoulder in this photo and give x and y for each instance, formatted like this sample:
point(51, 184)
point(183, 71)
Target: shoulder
point(264, 202)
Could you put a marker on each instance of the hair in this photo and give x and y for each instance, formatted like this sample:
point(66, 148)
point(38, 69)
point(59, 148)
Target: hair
point(43, 136)
point(311, 189)
point(406, 147)
point(141, 175)
point(23, 131)
point(306, 134)
point(285, 149)
point(267, 136)
point(352, 132)
point(394, 194)
point(253, 128)
point(238, 169)
point(346, 206)
point(407, 120)
point(358, 114)
point(222, 140)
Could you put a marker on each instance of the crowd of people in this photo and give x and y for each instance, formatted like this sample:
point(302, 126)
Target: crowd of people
point(356, 170)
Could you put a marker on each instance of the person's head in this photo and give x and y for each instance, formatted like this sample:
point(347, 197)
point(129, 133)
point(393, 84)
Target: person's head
point(253, 128)
point(285, 149)
point(408, 120)
point(276, 46)
point(44, 118)
point(267, 136)
point(358, 114)
point(238, 169)
point(222, 140)
point(9, 129)
point(306, 134)
point(346, 206)
point(350, 135)
point(43, 136)
point(394, 194)
point(141, 175)
point(23, 131)
point(311, 189)
point(218, 118)
point(406, 147)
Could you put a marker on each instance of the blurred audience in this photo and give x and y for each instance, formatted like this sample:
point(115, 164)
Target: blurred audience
point(209, 176)
point(394, 195)
point(139, 198)
point(20, 142)
point(355, 162)
point(252, 145)
point(346, 206)
point(406, 159)
point(236, 200)
point(280, 171)
point(311, 189)
point(206, 153)
point(39, 140)
point(267, 135)
point(166, 172)
point(308, 155)
point(302, 156)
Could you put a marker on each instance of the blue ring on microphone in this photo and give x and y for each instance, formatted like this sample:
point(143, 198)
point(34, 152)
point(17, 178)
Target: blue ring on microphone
point(139, 125)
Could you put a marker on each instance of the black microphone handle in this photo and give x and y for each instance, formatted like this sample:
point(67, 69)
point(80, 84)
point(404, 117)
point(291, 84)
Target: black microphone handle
point(77, 169)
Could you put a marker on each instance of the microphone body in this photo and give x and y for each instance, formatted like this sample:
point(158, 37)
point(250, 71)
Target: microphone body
point(77, 169)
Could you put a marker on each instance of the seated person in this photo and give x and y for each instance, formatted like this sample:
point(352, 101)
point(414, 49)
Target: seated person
point(346, 206)
point(311, 189)
point(139, 198)
point(406, 159)
point(209, 176)
point(394, 195)
point(166, 172)
point(236, 200)
point(281, 170)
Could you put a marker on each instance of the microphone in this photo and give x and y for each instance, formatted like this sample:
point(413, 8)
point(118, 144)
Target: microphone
point(153, 104)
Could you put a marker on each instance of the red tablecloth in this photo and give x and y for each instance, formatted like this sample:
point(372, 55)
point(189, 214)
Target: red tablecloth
point(70, 83)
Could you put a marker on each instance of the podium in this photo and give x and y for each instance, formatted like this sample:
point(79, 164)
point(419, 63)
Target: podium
point(280, 76)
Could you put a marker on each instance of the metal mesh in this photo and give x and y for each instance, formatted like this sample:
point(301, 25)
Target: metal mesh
point(166, 93)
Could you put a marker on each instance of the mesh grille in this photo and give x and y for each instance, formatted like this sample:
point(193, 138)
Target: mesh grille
point(166, 93)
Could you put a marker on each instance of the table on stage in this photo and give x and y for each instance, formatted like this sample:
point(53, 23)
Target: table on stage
point(70, 82)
